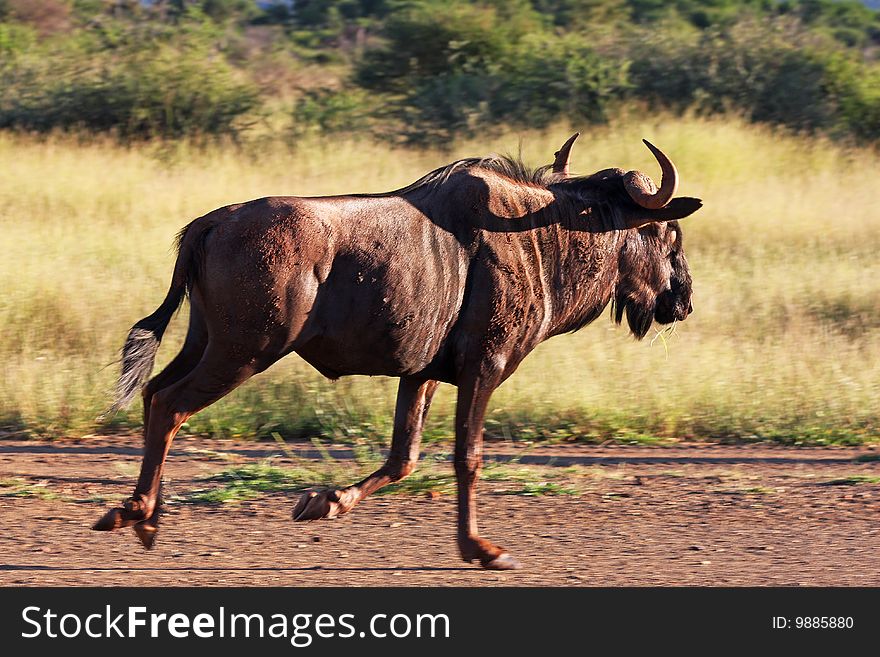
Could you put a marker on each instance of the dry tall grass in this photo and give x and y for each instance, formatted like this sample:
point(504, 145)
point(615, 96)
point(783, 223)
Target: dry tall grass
point(783, 343)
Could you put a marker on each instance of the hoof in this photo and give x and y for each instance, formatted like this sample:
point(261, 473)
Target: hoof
point(315, 505)
point(130, 513)
point(146, 534)
point(110, 521)
point(503, 561)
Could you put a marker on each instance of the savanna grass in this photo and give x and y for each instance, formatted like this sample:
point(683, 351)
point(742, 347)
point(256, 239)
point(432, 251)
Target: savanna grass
point(783, 344)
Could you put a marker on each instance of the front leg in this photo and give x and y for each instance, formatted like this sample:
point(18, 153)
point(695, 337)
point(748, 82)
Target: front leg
point(473, 398)
point(413, 401)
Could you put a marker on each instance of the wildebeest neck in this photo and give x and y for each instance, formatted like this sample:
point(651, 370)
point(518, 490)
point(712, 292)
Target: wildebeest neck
point(555, 253)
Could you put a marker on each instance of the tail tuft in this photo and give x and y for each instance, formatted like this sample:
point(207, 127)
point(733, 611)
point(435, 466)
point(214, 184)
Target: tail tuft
point(138, 355)
point(139, 350)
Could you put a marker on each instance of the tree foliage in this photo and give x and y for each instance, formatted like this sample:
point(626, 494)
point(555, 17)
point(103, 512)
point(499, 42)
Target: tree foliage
point(429, 70)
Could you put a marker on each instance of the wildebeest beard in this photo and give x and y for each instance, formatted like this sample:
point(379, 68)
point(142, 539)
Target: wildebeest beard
point(639, 306)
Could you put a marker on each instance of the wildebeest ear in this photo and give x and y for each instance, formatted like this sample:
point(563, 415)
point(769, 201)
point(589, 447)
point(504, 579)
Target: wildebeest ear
point(677, 208)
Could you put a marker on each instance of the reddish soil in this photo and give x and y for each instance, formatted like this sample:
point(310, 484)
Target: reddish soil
point(701, 515)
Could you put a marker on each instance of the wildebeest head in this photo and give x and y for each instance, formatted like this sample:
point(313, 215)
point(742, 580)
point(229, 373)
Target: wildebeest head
point(654, 281)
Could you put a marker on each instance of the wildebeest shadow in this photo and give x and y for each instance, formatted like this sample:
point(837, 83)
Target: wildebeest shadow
point(524, 211)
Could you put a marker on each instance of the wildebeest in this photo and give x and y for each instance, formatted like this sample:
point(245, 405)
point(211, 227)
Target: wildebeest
point(454, 278)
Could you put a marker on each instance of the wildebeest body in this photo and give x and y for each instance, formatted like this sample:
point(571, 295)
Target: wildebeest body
point(379, 286)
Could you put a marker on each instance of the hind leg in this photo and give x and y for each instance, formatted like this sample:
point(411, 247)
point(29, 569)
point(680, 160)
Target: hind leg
point(220, 371)
point(413, 402)
point(181, 365)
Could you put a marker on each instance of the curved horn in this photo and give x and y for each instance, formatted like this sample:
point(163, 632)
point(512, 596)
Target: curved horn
point(641, 188)
point(563, 155)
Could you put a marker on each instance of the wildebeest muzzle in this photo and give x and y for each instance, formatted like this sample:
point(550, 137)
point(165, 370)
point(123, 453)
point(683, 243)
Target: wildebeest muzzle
point(673, 305)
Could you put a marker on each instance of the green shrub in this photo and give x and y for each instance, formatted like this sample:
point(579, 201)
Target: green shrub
point(549, 77)
point(160, 92)
point(138, 80)
point(431, 39)
point(539, 81)
point(451, 72)
point(774, 74)
point(15, 39)
point(441, 107)
point(856, 91)
point(428, 71)
point(326, 111)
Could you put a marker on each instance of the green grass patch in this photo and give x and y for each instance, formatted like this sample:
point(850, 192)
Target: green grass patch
point(540, 488)
point(853, 480)
point(494, 471)
point(422, 481)
point(16, 487)
point(246, 482)
point(40, 490)
point(211, 454)
point(752, 490)
point(224, 495)
point(435, 474)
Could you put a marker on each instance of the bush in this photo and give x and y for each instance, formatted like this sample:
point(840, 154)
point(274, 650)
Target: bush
point(773, 74)
point(469, 67)
point(326, 111)
point(139, 93)
point(551, 77)
point(15, 39)
point(432, 39)
point(540, 80)
point(427, 71)
point(856, 91)
point(441, 107)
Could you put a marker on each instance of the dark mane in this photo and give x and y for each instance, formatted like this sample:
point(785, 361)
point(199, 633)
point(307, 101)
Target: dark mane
point(507, 166)
point(570, 192)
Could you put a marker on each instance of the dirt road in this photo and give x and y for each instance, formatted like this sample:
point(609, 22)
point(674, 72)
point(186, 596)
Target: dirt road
point(615, 516)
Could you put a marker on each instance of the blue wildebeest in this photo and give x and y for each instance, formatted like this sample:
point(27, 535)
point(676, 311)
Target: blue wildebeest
point(454, 278)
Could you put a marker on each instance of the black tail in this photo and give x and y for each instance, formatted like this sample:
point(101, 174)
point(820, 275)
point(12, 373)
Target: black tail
point(139, 350)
